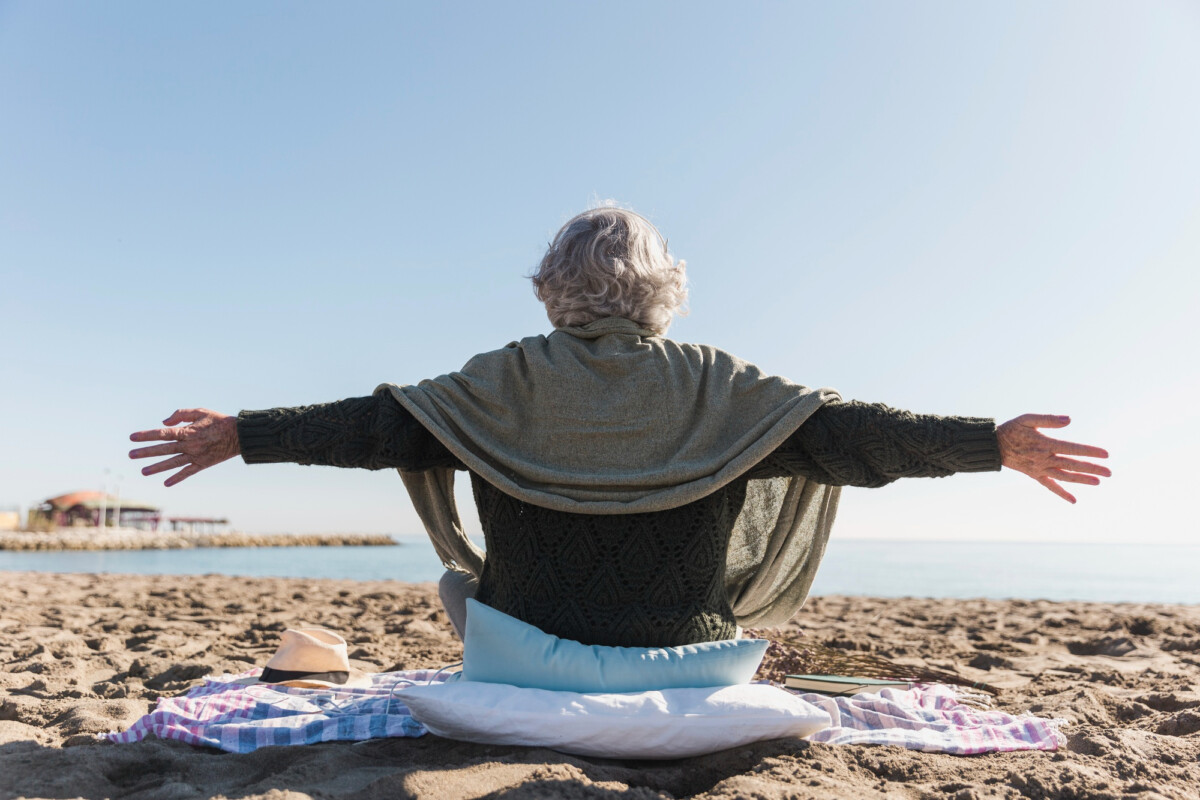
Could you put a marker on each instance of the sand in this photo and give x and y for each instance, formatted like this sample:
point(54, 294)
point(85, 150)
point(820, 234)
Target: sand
point(81, 654)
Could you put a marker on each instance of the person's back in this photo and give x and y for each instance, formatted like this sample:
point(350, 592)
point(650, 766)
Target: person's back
point(654, 579)
point(632, 490)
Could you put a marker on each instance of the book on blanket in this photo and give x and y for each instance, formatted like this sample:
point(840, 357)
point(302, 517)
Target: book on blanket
point(840, 684)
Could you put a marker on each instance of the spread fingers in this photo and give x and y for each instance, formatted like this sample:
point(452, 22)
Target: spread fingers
point(1074, 465)
point(1058, 490)
point(1044, 420)
point(170, 463)
point(1073, 477)
point(155, 435)
point(157, 450)
point(1074, 449)
point(186, 472)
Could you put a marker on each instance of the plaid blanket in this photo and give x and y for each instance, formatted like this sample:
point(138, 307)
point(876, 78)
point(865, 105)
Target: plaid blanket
point(239, 719)
point(932, 718)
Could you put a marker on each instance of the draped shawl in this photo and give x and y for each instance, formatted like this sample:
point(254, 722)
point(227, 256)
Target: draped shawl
point(610, 418)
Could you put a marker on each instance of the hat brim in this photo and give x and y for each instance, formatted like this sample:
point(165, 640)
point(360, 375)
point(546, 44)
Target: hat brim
point(356, 680)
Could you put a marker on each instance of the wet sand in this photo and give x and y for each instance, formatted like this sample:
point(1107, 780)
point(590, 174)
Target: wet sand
point(85, 654)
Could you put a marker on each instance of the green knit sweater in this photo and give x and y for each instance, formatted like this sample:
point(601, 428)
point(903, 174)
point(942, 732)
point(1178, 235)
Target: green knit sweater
point(650, 579)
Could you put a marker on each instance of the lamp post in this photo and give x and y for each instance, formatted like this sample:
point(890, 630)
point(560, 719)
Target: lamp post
point(103, 519)
point(117, 510)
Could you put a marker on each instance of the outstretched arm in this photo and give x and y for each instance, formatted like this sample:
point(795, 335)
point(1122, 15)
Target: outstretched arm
point(871, 445)
point(207, 439)
point(1025, 449)
point(363, 432)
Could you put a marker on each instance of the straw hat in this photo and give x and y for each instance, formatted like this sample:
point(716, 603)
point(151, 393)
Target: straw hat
point(312, 658)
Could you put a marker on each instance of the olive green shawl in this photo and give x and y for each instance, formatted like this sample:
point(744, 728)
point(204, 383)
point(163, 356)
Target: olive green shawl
point(610, 418)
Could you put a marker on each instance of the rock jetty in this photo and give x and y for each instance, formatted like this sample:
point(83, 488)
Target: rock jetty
point(129, 539)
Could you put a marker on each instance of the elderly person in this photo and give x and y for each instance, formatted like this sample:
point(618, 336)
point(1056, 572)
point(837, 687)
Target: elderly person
point(632, 490)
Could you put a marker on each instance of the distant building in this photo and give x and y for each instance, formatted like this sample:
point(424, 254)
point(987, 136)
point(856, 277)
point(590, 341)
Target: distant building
point(84, 509)
point(197, 524)
point(10, 518)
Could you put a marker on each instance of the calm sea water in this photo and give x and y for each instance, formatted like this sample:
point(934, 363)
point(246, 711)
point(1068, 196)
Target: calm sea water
point(1101, 572)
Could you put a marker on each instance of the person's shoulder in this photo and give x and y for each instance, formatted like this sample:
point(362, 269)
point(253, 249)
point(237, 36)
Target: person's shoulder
point(538, 340)
point(513, 350)
point(702, 353)
point(722, 366)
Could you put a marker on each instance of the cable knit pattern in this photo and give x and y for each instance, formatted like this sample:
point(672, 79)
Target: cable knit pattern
point(871, 445)
point(364, 432)
point(633, 580)
point(654, 579)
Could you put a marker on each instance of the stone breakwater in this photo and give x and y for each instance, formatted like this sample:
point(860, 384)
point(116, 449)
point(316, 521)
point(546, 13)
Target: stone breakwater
point(91, 539)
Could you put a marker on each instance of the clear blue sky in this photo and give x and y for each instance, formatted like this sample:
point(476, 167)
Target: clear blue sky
point(982, 209)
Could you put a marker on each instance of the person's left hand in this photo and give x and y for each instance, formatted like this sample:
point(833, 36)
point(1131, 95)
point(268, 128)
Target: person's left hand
point(208, 439)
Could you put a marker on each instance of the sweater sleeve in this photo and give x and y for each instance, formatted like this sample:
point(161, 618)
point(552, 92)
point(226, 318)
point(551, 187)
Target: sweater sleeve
point(871, 445)
point(367, 432)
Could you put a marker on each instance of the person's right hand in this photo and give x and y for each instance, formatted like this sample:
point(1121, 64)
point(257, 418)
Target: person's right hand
point(1027, 450)
point(208, 439)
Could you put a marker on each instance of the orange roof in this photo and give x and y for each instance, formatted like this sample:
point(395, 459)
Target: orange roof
point(73, 499)
point(93, 499)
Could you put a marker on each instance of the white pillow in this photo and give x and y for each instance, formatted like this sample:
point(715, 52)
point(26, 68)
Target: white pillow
point(668, 723)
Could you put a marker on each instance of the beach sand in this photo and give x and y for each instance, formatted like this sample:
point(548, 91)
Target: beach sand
point(84, 654)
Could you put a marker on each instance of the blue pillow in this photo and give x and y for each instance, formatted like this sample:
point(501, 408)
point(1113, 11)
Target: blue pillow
point(498, 648)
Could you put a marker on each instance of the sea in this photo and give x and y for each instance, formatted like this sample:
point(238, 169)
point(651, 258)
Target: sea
point(1142, 573)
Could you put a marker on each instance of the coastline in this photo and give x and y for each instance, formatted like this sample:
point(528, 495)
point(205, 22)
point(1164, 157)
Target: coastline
point(75, 539)
point(83, 654)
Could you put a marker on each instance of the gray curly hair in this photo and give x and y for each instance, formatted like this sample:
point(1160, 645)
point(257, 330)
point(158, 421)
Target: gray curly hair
point(610, 262)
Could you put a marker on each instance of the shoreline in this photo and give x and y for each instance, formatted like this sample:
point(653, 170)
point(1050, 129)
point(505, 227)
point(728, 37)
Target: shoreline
point(1097, 573)
point(84, 653)
point(90, 539)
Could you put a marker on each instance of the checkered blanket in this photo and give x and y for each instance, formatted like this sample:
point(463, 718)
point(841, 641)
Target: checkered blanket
point(239, 719)
point(932, 718)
